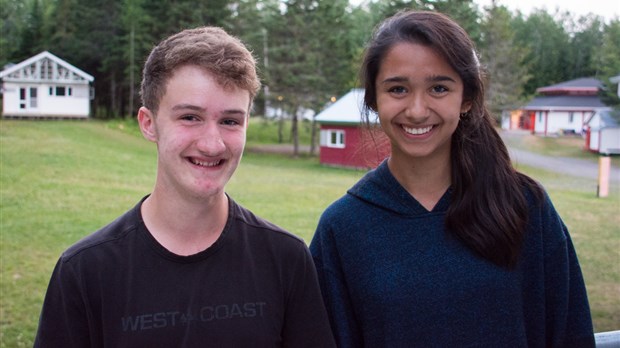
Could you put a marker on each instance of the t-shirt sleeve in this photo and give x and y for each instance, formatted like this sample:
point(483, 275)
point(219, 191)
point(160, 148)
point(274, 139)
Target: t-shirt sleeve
point(305, 322)
point(63, 321)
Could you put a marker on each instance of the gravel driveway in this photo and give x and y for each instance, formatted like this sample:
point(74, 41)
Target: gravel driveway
point(563, 165)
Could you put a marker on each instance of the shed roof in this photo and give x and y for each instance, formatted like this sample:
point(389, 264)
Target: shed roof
point(347, 109)
point(609, 118)
point(565, 102)
point(34, 68)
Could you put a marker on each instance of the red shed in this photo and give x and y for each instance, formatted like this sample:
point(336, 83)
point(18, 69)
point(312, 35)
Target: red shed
point(345, 142)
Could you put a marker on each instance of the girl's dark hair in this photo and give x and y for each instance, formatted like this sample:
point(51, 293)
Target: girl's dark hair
point(488, 212)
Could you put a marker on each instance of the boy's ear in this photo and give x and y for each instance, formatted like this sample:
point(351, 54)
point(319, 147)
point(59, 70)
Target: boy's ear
point(146, 120)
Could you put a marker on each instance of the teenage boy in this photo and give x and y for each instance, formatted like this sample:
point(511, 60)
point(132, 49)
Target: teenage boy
point(187, 266)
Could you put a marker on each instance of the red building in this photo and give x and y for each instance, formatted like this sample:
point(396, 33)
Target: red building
point(345, 141)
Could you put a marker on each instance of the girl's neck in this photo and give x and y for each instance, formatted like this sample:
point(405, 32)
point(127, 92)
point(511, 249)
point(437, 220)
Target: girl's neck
point(425, 180)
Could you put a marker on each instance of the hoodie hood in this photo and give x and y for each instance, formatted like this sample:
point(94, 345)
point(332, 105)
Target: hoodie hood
point(380, 188)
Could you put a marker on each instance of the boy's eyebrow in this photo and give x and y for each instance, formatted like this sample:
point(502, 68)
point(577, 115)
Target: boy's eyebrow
point(201, 109)
point(187, 106)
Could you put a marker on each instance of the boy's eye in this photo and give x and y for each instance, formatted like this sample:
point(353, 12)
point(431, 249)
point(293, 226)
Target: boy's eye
point(189, 117)
point(229, 122)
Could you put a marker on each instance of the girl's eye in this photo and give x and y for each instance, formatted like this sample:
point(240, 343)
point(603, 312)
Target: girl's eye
point(397, 90)
point(439, 89)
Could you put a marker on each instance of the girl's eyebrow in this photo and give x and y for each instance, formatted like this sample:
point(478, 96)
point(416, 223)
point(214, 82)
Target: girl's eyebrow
point(395, 79)
point(432, 78)
point(440, 78)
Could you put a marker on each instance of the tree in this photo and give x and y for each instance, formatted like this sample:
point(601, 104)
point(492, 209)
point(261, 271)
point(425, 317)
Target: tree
point(586, 39)
point(31, 41)
point(503, 60)
point(608, 57)
point(309, 56)
point(548, 49)
point(12, 20)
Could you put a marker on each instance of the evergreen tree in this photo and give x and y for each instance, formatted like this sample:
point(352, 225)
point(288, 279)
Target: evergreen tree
point(12, 20)
point(585, 41)
point(609, 57)
point(309, 56)
point(548, 46)
point(503, 60)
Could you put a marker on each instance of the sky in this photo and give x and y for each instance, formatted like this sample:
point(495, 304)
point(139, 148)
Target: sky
point(606, 8)
point(609, 9)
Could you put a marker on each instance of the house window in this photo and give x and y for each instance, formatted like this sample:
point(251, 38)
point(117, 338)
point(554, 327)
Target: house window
point(332, 138)
point(61, 91)
point(22, 98)
point(33, 97)
point(571, 116)
point(540, 116)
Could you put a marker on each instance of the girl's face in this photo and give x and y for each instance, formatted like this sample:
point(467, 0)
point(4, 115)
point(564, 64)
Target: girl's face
point(419, 102)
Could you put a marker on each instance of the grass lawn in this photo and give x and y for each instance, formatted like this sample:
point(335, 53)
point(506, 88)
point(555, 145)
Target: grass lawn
point(60, 180)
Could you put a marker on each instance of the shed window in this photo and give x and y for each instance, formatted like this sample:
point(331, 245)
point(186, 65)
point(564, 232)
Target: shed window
point(332, 138)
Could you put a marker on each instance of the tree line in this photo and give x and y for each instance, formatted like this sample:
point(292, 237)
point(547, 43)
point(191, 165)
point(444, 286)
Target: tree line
point(308, 50)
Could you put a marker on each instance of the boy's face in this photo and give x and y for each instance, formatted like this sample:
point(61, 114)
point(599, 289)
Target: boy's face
point(200, 131)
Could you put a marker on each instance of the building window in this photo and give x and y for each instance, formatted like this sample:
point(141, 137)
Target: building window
point(61, 91)
point(33, 97)
point(540, 114)
point(571, 117)
point(332, 138)
point(22, 98)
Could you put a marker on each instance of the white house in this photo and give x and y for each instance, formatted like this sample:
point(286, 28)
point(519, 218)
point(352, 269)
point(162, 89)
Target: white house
point(561, 108)
point(45, 86)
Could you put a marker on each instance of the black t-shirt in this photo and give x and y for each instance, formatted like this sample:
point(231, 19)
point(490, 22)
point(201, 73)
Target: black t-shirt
point(255, 286)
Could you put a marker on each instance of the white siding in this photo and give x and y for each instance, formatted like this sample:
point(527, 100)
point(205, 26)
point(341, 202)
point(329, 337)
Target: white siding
point(75, 105)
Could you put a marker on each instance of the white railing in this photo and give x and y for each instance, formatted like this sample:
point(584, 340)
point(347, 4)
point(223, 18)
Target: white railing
point(610, 339)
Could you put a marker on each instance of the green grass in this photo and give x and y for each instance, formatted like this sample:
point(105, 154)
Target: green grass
point(61, 180)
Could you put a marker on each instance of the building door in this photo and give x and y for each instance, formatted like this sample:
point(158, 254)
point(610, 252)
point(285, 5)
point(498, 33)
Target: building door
point(28, 98)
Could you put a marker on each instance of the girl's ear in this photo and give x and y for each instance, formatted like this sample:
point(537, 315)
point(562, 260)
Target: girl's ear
point(146, 120)
point(465, 107)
